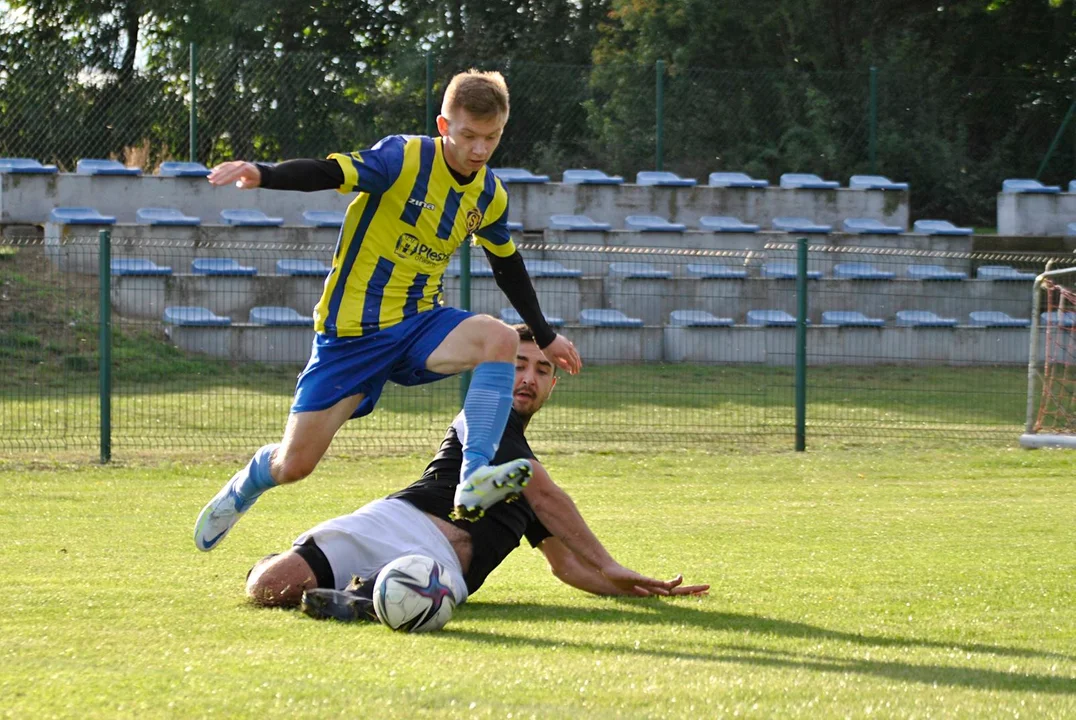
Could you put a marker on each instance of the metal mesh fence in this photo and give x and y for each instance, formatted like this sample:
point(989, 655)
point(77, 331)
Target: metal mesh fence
point(684, 347)
point(953, 138)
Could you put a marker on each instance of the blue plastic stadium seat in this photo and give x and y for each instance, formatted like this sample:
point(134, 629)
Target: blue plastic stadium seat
point(80, 216)
point(922, 318)
point(138, 267)
point(934, 272)
point(726, 223)
point(479, 267)
point(550, 269)
point(510, 316)
point(192, 316)
point(514, 226)
point(90, 166)
point(860, 271)
point(164, 216)
point(807, 181)
point(638, 270)
point(323, 218)
point(875, 182)
point(870, 226)
point(1070, 229)
point(220, 266)
point(608, 318)
point(182, 169)
point(25, 166)
point(580, 223)
point(249, 218)
point(591, 177)
point(1003, 272)
point(736, 180)
point(1023, 185)
point(652, 223)
point(939, 227)
point(848, 318)
point(993, 318)
point(800, 225)
point(1056, 317)
point(276, 315)
point(519, 175)
point(770, 318)
point(697, 318)
point(302, 267)
point(715, 271)
point(663, 178)
point(785, 270)
point(1072, 186)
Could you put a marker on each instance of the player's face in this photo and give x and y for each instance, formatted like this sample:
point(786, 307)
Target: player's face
point(534, 379)
point(470, 141)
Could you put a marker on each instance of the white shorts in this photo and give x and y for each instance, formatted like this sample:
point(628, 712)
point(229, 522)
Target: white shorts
point(376, 534)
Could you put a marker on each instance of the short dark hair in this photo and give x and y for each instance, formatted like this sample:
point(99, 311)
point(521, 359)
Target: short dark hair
point(527, 335)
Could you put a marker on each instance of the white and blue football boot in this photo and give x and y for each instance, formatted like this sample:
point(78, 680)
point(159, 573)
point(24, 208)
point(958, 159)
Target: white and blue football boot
point(488, 486)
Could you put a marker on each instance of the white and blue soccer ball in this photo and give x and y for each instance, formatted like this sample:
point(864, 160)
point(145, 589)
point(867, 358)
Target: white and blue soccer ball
point(414, 593)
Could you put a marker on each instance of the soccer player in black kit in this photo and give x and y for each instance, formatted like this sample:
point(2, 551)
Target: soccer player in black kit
point(330, 569)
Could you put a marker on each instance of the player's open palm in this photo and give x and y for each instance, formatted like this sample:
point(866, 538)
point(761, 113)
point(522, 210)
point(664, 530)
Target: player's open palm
point(630, 582)
point(245, 175)
point(562, 353)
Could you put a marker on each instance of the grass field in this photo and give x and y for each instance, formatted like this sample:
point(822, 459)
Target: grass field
point(845, 583)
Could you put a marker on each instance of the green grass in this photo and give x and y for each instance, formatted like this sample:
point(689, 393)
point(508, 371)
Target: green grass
point(850, 583)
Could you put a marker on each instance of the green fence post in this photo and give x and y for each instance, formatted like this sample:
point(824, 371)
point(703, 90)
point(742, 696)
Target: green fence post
point(429, 94)
point(193, 154)
point(1057, 139)
point(659, 128)
point(104, 342)
point(801, 344)
point(872, 122)
point(465, 304)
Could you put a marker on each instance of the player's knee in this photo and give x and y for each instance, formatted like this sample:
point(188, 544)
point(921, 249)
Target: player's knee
point(291, 466)
point(500, 342)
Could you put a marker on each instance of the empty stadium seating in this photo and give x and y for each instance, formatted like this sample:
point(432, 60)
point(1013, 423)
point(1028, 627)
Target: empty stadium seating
point(939, 227)
point(80, 216)
point(193, 316)
point(183, 169)
point(770, 318)
point(1003, 273)
point(637, 270)
point(301, 267)
point(663, 178)
point(91, 166)
point(802, 225)
point(861, 271)
point(520, 176)
point(935, 272)
point(697, 318)
point(726, 223)
point(874, 182)
point(221, 267)
point(25, 166)
point(652, 223)
point(603, 317)
point(995, 318)
point(249, 217)
point(279, 315)
point(1020, 185)
point(870, 226)
point(165, 216)
point(713, 270)
point(786, 270)
point(323, 218)
point(138, 267)
point(850, 318)
point(923, 319)
point(807, 181)
point(590, 177)
point(577, 223)
point(735, 180)
point(512, 317)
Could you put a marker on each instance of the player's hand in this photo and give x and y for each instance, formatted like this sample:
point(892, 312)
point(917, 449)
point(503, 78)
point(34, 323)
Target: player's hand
point(630, 582)
point(245, 175)
point(562, 353)
point(678, 588)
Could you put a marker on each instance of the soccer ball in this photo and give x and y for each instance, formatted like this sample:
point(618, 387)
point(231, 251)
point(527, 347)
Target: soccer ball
point(414, 594)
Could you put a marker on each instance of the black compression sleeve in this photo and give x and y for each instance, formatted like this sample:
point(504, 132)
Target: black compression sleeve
point(304, 175)
point(513, 280)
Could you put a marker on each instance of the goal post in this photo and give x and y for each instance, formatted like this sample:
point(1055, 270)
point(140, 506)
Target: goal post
point(1051, 366)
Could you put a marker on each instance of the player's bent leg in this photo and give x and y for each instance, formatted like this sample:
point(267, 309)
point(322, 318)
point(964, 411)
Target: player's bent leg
point(491, 346)
point(280, 580)
point(306, 438)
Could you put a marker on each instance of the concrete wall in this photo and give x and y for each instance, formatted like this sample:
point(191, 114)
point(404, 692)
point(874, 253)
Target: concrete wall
point(533, 204)
point(1035, 214)
point(147, 297)
point(30, 198)
point(246, 343)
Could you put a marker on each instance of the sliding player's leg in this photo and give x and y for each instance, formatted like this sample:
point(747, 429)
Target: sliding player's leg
point(489, 346)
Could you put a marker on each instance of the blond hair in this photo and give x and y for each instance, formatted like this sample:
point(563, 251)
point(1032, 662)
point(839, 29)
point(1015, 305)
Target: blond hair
point(480, 94)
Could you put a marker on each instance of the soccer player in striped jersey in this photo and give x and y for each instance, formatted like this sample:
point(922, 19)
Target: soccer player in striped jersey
point(380, 316)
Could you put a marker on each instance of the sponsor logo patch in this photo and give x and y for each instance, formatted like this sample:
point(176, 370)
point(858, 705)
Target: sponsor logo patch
point(410, 247)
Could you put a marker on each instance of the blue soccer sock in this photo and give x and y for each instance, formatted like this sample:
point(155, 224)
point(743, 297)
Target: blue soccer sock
point(255, 478)
point(485, 413)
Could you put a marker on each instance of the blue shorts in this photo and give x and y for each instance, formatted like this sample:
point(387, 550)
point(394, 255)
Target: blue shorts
point(342, 367)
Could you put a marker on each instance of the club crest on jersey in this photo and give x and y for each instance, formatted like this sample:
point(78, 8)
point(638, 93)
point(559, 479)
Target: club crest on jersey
point(409, 246)
point(474, 220)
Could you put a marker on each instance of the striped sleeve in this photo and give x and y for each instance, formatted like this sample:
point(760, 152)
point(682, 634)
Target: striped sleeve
point(374, 170)
point(493, 234)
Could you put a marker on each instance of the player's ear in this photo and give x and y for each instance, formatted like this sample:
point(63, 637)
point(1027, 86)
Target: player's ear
point(442, 125)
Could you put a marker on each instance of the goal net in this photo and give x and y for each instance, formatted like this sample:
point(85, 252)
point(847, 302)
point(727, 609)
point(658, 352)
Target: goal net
point(1051, 411)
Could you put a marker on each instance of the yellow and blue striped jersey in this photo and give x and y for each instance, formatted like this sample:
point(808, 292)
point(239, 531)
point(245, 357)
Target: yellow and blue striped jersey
point(401, 230)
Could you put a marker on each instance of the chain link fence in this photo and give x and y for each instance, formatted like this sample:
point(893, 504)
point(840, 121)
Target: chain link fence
point(683, 347)
point(953, 138)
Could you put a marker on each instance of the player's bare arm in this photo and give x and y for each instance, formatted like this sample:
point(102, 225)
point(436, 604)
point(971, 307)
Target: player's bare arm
point(571, 570)
point(559, 514)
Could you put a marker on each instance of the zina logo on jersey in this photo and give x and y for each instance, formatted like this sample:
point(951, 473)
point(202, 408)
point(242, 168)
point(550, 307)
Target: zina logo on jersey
point(409, 246)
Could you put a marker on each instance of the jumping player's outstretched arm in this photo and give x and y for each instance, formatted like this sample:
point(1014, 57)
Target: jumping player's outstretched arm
point(575, 554)
point(304, 175)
